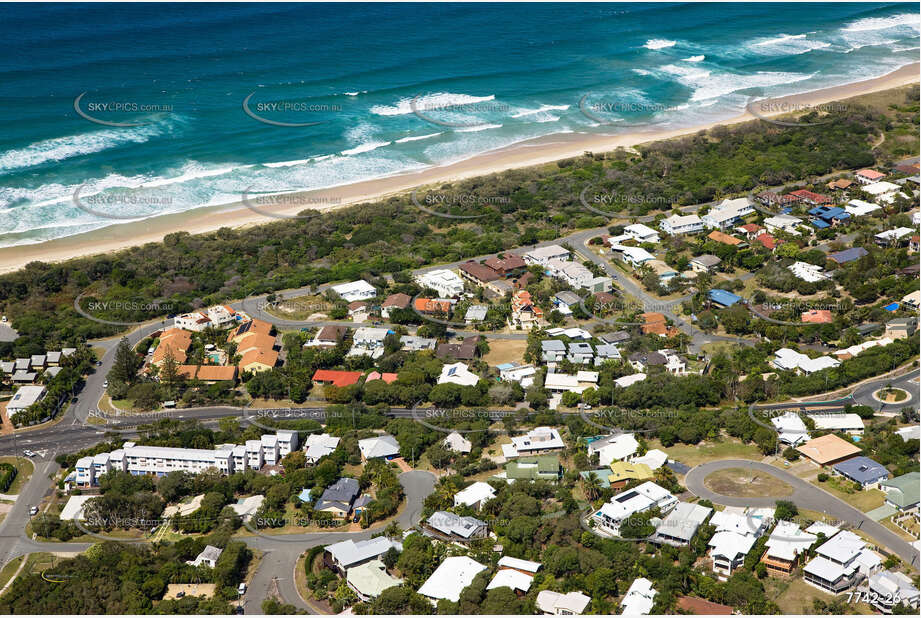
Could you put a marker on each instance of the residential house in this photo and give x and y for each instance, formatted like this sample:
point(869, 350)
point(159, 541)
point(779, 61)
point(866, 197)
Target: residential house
point(840, 184)
point(337, 499)
point(475, 314)
point(809, 197)
point(544, 467)
point(562, 382)
point(348, 554)
point(680, 526)
point(558, 604)
point(23, 398)
point(383, 446)
point(552, 350)
point(728, 213)
point(355, 290)
point(580, 353)
point(172, 342)
point(894, 237)
point(705, 263)
point(450, 578)
point(679, 225)
point(863, 471)
point(447, 283)
point(478, 274)
point(465, 350)
point(787, 224)
point(808, 272)
point(327, 337)
point(449, 526)
point(209, 374)
point(370, 579)
point(475, 496)
point(841, 563)
point(791, 360)
point(902, 491)
point(891, 588)
point(848, 255)
point(513, 579)
point(638, 600)
point(565, 300)
point(868, 176)
point(525, 314)
point(785, 546)
point(368, 341)
point(723, 298)
point(828, 450)
point(336, 378)
point(622, 472)
point(508, 265)
point(702, 607)
point(860, 208)
point(640, 499)
point(641, 233)
point(457, 443)
point(317, 446)
point(459, 374)
point(848, 423)
point(411, 343)
point(207, 557)
point(516, 372)
point(791, 429)
point(542, 255)
point(538, 441)
point(612, 448)
point(636, 256)
point(394, 302)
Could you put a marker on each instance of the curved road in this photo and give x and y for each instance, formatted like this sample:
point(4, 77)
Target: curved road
point(805, 495)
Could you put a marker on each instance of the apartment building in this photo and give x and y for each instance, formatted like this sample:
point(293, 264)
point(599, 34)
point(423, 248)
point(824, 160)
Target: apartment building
point(447, 283)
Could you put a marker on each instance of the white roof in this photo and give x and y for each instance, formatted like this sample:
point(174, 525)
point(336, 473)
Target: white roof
point(655, 459)
point(457, 443)
point(351, 552)
point(858, 208)
point(856, 349)
point(516, 580)
point(637, 254)
point(640, 230)
point(682, 220)
point(731, 520)
point(825, 569)
point(789, 423)
point(880, 188)
point(892, 584)
point(539, 438)
point(615, 448)
point(843, 547)
point(450, 578)
point(731, 544)
point(477, 492)
point(555, 602)
point(269, 440)
point(248, 506)
point(458, 373)
point(353, 288)
point(518, 563)
point(895, 233)
point(319, 445)
point(26, 396)
point(639, 598)
point(787, 540)
point(74, 507)
point(820, 527)
point(849, 421)
point(807, 272)
point(379, 446)
point(543, 253)
point(626, 381)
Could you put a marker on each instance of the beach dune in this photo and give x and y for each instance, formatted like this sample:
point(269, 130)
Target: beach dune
point(524, 154)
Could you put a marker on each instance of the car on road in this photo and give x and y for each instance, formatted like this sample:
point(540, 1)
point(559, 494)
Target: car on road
point(241, 589)
point(33, 511)
point(4, 319)
point(99, 363)
point(105, 384)
point(28, 453)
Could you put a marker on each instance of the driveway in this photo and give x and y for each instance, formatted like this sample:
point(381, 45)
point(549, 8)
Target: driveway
point(805, 495)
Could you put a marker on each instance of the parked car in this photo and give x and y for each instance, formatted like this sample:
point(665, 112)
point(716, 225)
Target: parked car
point(33, 511)
point(241, 589)
point(105, 384)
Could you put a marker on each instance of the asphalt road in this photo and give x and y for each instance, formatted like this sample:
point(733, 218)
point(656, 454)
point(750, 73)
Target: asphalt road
point(805, 495)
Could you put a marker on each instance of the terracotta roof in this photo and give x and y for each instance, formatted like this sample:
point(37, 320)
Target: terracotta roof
point(175, 340)
point(432, 305)
point(358, 304)
point(751, 228)
point(400, 301)
point(828, 448)
point(389, 378)
point(510, 262)
point(696, 605)
point(255, 342)
point(768, 241)
point(478, 271)
point(337, 378)
point(841, 183)
point(809, 195)
point(652, 317)
point(259, 327)
point(817, 316)
point(726, 239)
point(209, 373)
point(264, 357)
point(871, 174)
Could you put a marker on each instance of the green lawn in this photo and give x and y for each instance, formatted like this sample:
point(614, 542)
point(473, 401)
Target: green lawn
point(864, 500)
point(696, 454)
point(25, 468)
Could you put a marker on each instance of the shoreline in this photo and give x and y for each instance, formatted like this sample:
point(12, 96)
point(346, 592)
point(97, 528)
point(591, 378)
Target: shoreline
point(538, 151)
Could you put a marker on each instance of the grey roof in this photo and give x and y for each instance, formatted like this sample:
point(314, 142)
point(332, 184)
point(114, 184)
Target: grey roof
point(340, 494)
point(552, 345)
point(862, 469)
point(451, 523)
point(476, 312)
point(580, 347)
point(22, 363)
point(607, 350)
point(568, 298)
point(649, 358)
point(683, 521)
point(411, 342)
point(53, 356)
point(210, 553)
point(707, 260)
point(351, 552)
point(617, 337)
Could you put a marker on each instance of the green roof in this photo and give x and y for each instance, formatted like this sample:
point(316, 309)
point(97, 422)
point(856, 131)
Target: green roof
point(542, 467)
point(903, 491)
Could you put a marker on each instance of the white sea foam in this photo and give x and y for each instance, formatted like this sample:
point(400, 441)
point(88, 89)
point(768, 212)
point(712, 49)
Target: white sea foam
point(60, 148)
point(783, 38)
point(787, 44)
point(540, 110)
point(910, 20)
point(429, 102)
point(366, 147)
point(642, 72)
point(416, 138)
point(708, 85)
point(659, 43)
point(478, 128)
point(695, 59)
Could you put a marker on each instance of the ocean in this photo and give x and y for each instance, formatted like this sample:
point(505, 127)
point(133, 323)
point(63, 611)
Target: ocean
point(148, 109)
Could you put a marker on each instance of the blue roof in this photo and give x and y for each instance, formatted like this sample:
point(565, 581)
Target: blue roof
point(817, 211)
point(862, 469)
point(722, 297)
point(819, 224)
point(830, 212)
point(304, 496)
point(786, 210)
point(848, 255)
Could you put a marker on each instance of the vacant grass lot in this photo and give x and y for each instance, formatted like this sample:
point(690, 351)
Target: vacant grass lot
point(24, 469)
point(696, 454)
point(505, 351)
point(745, 483)
point(864, 500)
point(794, 596)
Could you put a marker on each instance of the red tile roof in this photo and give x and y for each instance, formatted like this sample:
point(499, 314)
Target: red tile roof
point(703, 607)
point(817, 316)
point(389, 378)
point(870, 174)
point(726, 239)
point(209, 373)
point(813, 197)
point(337, 378)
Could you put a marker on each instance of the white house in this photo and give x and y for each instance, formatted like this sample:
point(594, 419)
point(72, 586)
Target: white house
point(562, 382)
point(678, 225)
point(808, 272)
point(537, 441)
point(791, 429)
point(614, 448)
point(641, 233)
point(630, 380)
point(24, 397)
point(728, 213)
point(355, 290)
point(882, 191)
point(457, 443)
point(208, 556)
point(447, 283)
point(841, 562)
point(641, 498)
point(636, 256)
point(450, 578)
point(558, 604)
point(783, 223)
point(791, 360)
point(385, 446)
point(368, 341)
point(319, 445)
point(542, 255)
point(639, 598)
point(475, 496)
point(459, 374)
point(860, 208)
point(891, 588)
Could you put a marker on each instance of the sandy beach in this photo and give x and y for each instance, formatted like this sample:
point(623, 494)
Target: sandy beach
point(524, 154)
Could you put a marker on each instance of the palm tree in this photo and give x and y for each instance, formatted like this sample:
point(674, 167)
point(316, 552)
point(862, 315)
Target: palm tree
point(591, 485)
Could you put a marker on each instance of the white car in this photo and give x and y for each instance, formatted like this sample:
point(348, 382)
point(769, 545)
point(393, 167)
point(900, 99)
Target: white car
point(241, 589)
point(105, 384)
point(33, 511)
